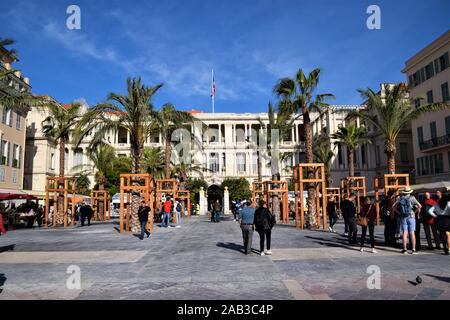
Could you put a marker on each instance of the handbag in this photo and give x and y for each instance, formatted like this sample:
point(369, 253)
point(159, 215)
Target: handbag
point(362, 221)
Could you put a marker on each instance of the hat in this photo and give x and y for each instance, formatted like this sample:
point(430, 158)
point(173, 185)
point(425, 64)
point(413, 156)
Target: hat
point(407, 190)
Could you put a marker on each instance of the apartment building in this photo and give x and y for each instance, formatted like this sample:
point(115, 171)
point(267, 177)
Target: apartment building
point(12, 128)
point(428, 74)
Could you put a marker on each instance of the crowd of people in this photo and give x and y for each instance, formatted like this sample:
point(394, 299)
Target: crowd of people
point(403, 217)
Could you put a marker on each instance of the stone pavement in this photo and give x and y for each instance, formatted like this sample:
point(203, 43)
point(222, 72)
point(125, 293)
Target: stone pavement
point(203, 260)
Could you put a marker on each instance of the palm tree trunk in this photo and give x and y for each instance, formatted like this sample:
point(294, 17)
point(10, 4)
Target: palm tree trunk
point(136, 198)
point(351, 163)
point(311, 201)
point(391, 150)
point(60, 213)
point(100, 212)
point(168, 154)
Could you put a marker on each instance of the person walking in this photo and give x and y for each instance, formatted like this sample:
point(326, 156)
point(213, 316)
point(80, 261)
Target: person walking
point(143, 213)
point(167, 209)
point(430, 222)
point(2, 226)
point(39, 215)
point(332, 213)
point(368, 212)
point(216, 210)
point(83, 213)
point(247, 226)
point(441, 211)
point(89, 214)
point(349, 212)
point(404, 207)
point(264, 222)
point(178, 210)
point(390, 220)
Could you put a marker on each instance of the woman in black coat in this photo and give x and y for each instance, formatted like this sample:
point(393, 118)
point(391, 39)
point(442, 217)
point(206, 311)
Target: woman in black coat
point(264, 221)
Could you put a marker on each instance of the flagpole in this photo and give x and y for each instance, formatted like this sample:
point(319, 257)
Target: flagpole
point(212, 88)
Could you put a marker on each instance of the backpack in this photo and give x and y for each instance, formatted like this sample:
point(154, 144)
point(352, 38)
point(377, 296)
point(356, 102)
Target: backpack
point(405, 207)
point(179, 207)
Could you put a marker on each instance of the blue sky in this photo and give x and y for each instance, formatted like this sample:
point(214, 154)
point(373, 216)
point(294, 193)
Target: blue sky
point(249, 43)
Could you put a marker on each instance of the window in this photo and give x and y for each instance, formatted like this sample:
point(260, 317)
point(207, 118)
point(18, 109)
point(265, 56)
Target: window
point(78, 157)
point(447, 126)
point(255, 162)
point(377, 155)
point(433, 130)
point(417, 102)
point(403, 152)
point(123, 136)
point(18, 121)
point(4, 153)
point(16, 159)
point(439, 163)
point(10, 123)
point(363, 154)
point(2, 174)
point(420, 135)
point(214, 162)
point(14, 176)
point(430, 96)
point(429, 71)
point(340, 154)
point(224, 162)
point(429, 165)
point(444, 62)
point(240, 162)
point(7, 116)
point(444, 89)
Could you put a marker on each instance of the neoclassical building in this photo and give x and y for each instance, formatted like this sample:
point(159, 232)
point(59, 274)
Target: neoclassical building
point(224, 145)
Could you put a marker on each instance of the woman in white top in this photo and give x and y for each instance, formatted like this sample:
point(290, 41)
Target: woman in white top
point(441, 210)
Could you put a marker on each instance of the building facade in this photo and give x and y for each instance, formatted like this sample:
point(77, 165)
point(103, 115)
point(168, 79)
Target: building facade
point(428, 74)
point(12, 128)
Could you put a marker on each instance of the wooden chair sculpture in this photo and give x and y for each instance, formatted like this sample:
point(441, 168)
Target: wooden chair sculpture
point(356, 185)
point(128, 185)
point(394, 182)
point(307, 175)
point(103, 196)
point(60, 187)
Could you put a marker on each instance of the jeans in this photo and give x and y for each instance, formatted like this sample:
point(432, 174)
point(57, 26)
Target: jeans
point(433, 227)
point(346, 224)
point(371, 226)
point(333, 218)
point(247, 236)
point(390, 226)
point(264, 235)
point(165, 221)
point(352, 230)
point(178, 216)
point(143, 229)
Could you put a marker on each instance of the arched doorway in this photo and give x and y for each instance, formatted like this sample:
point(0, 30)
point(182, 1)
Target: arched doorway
point(215, 192)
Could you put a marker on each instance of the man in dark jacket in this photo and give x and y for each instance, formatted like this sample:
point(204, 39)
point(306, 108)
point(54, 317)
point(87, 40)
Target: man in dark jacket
point(349, 212)
point(264, 222)
point(247, 226)
point(143, 213)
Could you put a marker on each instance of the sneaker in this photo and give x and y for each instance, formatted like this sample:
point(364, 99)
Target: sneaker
point(262, 253)
point(346, 234)
point(404, 251)
point(330, 229)
point(361, 249)
point(414, 251)
point(374, 251)
point(268, 252)
point(178, 227)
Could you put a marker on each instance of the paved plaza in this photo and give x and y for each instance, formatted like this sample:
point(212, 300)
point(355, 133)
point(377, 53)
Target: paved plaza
point(203, 260)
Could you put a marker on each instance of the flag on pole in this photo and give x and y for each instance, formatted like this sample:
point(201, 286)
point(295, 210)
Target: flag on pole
point(213, 88)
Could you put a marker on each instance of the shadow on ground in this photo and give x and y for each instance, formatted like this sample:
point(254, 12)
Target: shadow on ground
point(7, 248)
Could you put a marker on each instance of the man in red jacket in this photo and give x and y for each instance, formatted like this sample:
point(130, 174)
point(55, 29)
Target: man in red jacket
point(167, 209)
point(429, 222)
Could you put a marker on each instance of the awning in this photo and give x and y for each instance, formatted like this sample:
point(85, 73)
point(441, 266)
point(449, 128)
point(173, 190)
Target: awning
point(9, 194)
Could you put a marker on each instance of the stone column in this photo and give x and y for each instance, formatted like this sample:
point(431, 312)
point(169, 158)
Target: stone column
point(226, 201)
point(203, 202)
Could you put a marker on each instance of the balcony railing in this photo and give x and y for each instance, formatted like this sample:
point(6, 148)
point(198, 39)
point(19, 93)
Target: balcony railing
point(435, 143)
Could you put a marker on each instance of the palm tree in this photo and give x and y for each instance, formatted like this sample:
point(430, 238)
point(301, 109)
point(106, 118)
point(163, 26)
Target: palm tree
point(325, 155)
point(58, 127)
point(182, 170)
point(390, 112)
point(352, 137)
point(282, 120)
point(83, 183)
point(168, 120)
point(132, 112)
point(102, 159)
point(298, 94)
point(153, 162)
